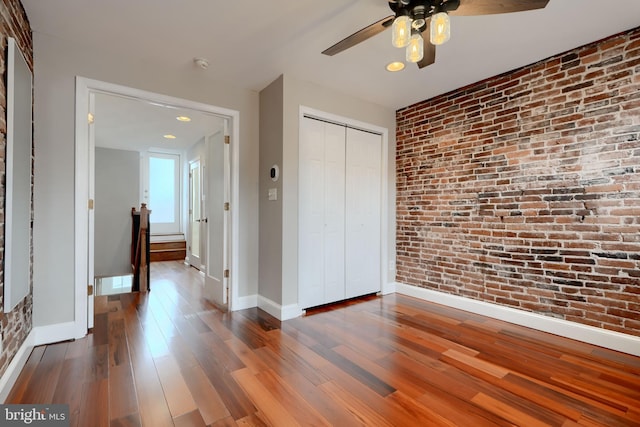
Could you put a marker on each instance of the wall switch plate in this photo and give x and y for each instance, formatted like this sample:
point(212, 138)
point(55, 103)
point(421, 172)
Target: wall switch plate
point(273, 194)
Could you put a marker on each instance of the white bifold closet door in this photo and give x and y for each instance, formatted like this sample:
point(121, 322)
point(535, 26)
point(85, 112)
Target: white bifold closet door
point(339, 213)
point(362, 212)
point(321, 213)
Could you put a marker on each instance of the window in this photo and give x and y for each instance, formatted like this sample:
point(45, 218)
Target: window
point(164, 193)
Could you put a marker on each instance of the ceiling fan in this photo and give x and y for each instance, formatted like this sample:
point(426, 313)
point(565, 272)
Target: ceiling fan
point(420, 25)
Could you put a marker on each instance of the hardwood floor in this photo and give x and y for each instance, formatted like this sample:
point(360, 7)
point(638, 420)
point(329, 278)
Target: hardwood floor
point(170, 358)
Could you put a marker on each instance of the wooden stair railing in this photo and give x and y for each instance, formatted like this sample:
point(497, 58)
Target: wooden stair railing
point(140, 249)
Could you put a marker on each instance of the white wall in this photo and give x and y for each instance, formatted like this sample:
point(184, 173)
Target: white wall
point(57, 64)
point(117, 180)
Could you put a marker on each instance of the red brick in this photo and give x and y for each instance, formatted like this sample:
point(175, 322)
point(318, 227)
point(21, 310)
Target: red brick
point(538, 157)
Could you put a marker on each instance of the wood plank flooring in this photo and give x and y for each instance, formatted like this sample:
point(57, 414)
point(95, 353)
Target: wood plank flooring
point(169, 358)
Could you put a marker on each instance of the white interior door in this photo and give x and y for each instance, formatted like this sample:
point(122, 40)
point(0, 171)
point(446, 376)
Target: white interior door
point(363, 213)
point(321, 213)
point(196, 216)
point(217, 225)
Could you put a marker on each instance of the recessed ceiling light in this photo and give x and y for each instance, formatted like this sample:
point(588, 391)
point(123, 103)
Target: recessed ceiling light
point(183, 119)
point(169, 136)
point(395, 66)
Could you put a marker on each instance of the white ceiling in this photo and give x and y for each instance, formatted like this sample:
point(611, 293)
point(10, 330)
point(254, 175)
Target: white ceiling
point(136, 125)
point(250, 43)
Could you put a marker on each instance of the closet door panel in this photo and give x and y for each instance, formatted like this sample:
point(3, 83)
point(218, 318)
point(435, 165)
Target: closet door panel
point(321, 213)
point(363, 217)
point(334, 212)
point(311, 214)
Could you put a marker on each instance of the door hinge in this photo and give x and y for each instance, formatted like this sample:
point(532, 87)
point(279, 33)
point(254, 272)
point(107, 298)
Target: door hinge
point(226, 274)
point(89, 290)
point(227, 139)
point(90, 204)
point(90, 118)
point(226, 206)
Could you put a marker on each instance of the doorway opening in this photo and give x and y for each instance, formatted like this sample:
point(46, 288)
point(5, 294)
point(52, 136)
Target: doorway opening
point(218, 239)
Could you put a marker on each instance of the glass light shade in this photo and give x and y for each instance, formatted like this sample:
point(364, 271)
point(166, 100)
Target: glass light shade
point(401, 31)
point(415, 50)
point(440, 28)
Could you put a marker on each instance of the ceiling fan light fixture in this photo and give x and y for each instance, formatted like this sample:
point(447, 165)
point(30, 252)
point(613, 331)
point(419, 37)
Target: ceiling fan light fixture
point(418, 23)
point(415, 50)
point(419, 16)
point(440, 28)
point(401, 31)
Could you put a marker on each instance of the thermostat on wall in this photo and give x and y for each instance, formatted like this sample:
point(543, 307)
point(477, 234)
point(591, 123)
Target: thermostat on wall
point(274, 173)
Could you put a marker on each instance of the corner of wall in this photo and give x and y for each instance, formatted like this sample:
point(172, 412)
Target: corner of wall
point(278, 311)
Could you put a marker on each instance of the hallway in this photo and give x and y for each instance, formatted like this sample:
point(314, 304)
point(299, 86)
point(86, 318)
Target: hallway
point(170, 358)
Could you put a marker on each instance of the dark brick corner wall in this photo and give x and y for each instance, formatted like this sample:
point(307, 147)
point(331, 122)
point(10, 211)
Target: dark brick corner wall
point(15, 325)
point(524, 190)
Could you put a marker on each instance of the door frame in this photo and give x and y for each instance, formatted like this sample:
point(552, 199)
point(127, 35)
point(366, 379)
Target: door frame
point(84, 179)
point(386, 286)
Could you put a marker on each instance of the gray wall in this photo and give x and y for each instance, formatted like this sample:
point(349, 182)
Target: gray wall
point(117, 180)
point(282, 286)
point(271, 129)
point(57, 65)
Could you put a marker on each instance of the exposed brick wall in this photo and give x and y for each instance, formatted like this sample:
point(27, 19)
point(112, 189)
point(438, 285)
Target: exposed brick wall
point(524, 189)
point(16, 325)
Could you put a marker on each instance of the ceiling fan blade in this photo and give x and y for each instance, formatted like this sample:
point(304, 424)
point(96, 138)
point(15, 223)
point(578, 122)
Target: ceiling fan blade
point(360, 36)
point(491, 7)
point(429, 56)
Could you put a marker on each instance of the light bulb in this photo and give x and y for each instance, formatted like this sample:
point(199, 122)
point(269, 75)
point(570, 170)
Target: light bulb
point(415, 50)
point(440, 28)
point(395, 66)
point(418, 23)
point(401, 31)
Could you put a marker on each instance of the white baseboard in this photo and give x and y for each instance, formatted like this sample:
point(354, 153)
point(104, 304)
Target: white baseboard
point(249, 301)
point(388, 288)
point(10, 376)
point(291, 311)
point(55, 333)
point(601, 337)
point(278, 311)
